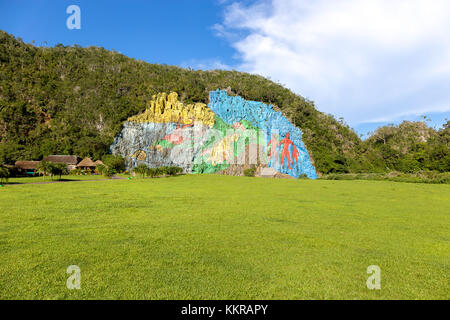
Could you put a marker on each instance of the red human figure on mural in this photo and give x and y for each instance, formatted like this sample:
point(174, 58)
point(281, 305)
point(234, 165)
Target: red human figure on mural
point(295, 154)
point(285, 153)
point(273, 152)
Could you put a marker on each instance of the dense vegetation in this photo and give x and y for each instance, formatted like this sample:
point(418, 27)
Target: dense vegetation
point(143, 170)
point(52, 169)
point(73, 100)
point(419, 177)
point(411, 147)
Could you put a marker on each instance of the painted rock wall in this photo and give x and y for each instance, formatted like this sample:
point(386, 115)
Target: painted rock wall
point(168, 133)
point(228, 136)
point(285, 149)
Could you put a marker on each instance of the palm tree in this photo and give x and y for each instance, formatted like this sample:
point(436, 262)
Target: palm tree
point(44, 167)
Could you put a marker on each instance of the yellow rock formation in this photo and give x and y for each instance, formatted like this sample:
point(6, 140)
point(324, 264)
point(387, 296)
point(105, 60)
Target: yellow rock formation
point(166, 108)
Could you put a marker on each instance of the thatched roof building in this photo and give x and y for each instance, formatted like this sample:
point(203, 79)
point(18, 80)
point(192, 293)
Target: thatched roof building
point(99, 162)
point(70, 161)
point(86, 163)
point(26, 165)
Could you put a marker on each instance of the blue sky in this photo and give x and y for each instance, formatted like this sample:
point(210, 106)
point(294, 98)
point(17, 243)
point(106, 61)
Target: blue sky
point(371, 62)
point(171, 32)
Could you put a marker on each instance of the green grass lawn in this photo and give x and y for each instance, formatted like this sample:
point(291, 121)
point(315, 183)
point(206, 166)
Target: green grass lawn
point(223, 237)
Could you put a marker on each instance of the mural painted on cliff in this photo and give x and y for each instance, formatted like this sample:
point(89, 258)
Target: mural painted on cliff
point(227, 136)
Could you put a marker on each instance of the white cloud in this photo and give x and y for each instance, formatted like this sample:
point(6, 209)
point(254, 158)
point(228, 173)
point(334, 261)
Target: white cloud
point(396, 116)
point(205, 64)
point(360, 59)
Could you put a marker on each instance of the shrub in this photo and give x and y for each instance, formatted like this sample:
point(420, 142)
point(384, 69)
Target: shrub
point(250, 172)
point(141, 169)
point(4, 175)
point(152, 172)
point(100, 168)
point(108, 172)
point(303, 176)
point(172, 171)
point(420, 177)
point(76, 172)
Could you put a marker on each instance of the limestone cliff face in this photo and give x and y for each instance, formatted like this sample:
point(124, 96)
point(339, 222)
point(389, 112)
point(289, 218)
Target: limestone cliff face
point(227, 136)
point(159, 144)
point(166, 108)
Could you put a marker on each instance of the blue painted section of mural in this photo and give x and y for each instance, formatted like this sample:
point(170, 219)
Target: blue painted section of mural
point(286, 150)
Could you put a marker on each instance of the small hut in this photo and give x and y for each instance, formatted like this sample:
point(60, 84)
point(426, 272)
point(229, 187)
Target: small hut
point(27, 167)
point(87, 164)
point(99, 162)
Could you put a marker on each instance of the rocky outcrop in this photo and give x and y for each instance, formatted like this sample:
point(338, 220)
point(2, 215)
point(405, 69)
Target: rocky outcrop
point(166, 108)
point(227, 136)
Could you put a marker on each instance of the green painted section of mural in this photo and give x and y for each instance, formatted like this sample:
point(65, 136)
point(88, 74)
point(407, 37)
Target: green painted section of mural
point(231, 144)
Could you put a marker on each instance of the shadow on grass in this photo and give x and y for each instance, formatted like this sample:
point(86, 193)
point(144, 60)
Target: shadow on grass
point(157, 177)
point(40, 182)
point(60, 180)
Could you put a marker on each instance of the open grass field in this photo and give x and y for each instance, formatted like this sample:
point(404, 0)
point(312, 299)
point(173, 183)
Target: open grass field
point(224, 237)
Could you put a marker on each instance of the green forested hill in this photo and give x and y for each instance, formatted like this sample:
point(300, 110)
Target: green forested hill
point(73, 100)
point(411, 147)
